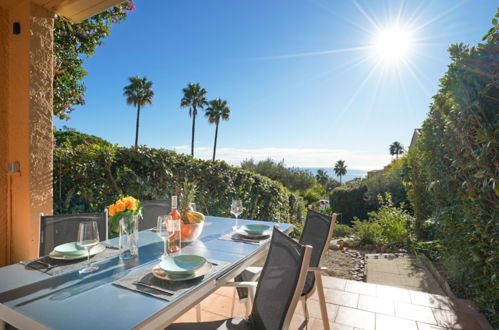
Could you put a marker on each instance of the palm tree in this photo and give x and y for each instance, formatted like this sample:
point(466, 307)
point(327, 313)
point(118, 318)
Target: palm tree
point(396, 148)
point(322, 177)
point(138, 93)
point(194, 99)
point(217, 110)
point(340, 169)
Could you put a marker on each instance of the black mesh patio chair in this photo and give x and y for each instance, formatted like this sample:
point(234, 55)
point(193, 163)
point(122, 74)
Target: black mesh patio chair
point(60, 229)
point(277, 292)
point(317, 232)
point(150, 212)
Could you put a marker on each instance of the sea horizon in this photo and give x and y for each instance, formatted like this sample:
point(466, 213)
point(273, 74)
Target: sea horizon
point(350, 175)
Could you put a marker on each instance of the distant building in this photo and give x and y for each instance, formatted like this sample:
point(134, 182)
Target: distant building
point(415, 137)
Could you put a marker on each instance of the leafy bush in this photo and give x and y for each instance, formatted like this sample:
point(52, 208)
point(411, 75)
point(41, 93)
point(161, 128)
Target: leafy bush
point(459, 149)
point(388, 182)
point(394, 223)
point(366, 232)
point(342, 231)
point(89, 177)
point(292, 178)
point(349, 202)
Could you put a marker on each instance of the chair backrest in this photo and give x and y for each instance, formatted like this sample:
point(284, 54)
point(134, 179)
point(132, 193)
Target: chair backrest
point(317, 233)
point(281, 283)
point(150, 212)
point(60, 229)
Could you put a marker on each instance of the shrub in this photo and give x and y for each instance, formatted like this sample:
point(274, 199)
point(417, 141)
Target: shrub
point(394, 223)
point(342, 230)
point(292, 178)
point(388, 182)
point(366, 232)
point(89, 177)
point(459, 149)
point(349, 202)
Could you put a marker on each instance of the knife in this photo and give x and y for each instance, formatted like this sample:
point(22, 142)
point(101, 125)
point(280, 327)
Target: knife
point(154, 287)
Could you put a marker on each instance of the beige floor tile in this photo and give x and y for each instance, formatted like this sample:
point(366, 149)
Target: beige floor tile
point(226, 291)
point(376, 304)
point(333, 283)
point(385, 322)
point(415, 312)
point(393, 293)
point(431, 300)
point(361, 287)
point(314, 310)
point(355, 318)
point(342, 298)
point(222, 305)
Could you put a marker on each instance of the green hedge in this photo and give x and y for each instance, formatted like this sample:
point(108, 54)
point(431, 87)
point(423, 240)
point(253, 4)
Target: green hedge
point(349, 202)
point(454, 172)
point(87, 177)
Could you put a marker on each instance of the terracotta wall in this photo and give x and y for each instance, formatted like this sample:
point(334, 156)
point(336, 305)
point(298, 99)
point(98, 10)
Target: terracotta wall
point(28, 123)
point(4, 39)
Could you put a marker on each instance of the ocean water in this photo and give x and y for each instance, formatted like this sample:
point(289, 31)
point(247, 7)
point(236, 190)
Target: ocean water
point(351, 173)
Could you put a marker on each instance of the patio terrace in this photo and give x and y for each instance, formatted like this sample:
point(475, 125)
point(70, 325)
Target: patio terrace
point(358, 305)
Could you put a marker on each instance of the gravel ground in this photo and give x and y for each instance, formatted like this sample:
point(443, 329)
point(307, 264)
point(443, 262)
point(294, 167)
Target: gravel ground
point(348, 264)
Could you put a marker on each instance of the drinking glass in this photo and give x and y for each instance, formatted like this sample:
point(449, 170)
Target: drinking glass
point(236, 208)
point(164, 231)
point(88, 237)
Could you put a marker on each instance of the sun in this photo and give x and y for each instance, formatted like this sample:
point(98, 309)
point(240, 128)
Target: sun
point(392, 44)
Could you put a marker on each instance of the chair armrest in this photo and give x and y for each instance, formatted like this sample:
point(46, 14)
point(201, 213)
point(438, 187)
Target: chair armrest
point(241, 284)
point(317, 269)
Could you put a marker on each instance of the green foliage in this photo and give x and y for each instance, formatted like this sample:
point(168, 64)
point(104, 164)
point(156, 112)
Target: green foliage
point(89, 177)
point(388, 182)
point(292, 178)
point(327, 183)
point(73, 137)
point(342, 230)
point(349, 201)
point(389, 225)
point(366, 232)
point(311, 196)
point(194, 98)
point(394, 222)
point(396, 149)
point(459, 150)
point(340, 169)
point(72, 44)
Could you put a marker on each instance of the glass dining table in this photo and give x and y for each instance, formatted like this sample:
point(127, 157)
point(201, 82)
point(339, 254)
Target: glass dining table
point(33, 299)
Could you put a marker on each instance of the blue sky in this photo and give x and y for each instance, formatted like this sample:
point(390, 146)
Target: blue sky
point(308, 81)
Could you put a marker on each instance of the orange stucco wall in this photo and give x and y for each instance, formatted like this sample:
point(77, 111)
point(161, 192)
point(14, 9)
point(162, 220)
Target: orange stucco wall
point(4, 25)
point(27, 119)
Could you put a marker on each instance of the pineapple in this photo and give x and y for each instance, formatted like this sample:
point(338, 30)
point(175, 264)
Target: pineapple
point(186, 195)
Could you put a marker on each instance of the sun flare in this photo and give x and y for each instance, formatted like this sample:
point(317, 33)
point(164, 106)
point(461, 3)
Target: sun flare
point(392, 44)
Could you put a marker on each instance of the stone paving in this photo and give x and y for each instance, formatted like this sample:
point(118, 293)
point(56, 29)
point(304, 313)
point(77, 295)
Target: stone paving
point(359, 305)
point(401, 270)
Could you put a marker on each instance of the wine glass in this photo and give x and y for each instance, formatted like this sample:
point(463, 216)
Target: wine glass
point(236, 208)
point(88, 237)
point(164, 231)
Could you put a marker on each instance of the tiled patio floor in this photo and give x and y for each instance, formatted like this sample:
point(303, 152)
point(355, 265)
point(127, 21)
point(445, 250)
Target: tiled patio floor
point(358, 305)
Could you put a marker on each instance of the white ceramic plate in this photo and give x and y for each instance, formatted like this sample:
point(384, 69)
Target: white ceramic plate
point(161, 274)
point(183, 264)
point(245, 234)
point(70, 249)
point(93, 251)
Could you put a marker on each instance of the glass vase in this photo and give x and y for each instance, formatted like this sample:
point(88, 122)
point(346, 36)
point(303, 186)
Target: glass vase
point(129, 237)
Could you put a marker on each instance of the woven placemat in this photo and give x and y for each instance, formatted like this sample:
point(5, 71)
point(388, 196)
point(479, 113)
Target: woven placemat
point(178, 287)
point(63, 266)
point(237, 237)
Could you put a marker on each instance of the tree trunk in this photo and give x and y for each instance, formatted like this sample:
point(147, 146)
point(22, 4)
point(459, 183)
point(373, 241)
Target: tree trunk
point(215, 145)
point(137, 126)
point(194, 112)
